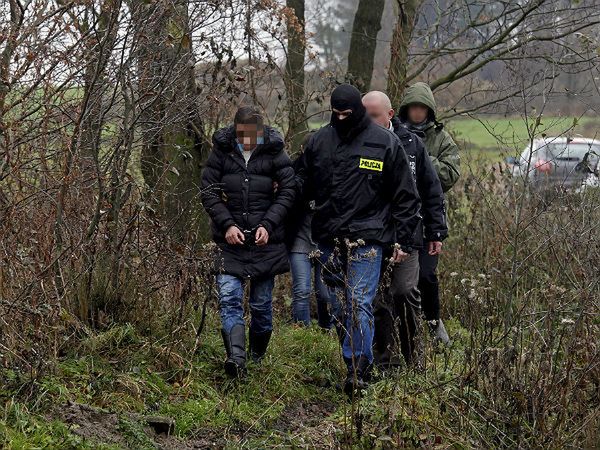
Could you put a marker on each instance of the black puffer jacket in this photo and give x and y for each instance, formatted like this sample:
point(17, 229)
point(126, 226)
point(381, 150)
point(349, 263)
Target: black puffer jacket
point(433, 207)
point(363, 188)
point(236, 194)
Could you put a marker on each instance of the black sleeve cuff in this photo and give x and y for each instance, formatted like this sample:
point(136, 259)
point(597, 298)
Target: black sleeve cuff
point(228, 223)
point(267, 226)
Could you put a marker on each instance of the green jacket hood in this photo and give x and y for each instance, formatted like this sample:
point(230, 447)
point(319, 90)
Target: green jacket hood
point(418, 93)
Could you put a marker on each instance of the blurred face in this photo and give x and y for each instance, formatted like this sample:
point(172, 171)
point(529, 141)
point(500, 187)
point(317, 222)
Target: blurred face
point(378, 112)
point(248, 134)
point(417, 113)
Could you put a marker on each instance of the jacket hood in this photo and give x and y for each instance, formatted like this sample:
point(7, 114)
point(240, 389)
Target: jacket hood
point(224, 140)
point(418, 93)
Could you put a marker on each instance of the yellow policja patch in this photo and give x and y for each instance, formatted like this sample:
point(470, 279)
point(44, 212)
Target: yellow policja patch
point(371, 164)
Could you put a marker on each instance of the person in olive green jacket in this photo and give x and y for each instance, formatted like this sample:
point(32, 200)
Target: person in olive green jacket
point(417, 112)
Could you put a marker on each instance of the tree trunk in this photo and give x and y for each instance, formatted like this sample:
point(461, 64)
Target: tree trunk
point(169, 115)
point(407, 14)
point(361, 56)
point(294, 75)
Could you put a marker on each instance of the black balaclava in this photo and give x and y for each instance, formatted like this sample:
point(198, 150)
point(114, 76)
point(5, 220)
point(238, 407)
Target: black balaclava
point(346, 97)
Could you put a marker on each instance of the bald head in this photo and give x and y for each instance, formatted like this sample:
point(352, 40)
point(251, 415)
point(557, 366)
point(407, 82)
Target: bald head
point(378, 97)
point(379, 107)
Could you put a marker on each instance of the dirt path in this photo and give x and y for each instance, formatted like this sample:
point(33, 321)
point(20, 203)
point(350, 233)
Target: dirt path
point(301, 423)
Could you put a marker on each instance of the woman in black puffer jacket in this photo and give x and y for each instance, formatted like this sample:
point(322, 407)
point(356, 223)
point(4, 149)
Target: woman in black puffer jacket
point(247, 189)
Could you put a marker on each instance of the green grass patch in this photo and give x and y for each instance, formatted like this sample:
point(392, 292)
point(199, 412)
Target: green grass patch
point(498, 137)
point(118, 372)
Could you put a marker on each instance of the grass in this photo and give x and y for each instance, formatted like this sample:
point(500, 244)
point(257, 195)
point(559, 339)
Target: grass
point(21, 429)
point(291, 399)
point(116, 372)
point(496, 137)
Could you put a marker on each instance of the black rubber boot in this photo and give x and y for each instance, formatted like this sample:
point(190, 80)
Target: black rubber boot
point(258, 344)
point(357, 380)
point(235, 346)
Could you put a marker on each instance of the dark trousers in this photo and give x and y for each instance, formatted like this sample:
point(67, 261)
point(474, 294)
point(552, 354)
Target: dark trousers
point(428, 285)
point(396, 313)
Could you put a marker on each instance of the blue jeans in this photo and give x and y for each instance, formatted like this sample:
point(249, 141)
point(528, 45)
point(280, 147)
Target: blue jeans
point(327, 303)
point(361, 275)
point(231, 302)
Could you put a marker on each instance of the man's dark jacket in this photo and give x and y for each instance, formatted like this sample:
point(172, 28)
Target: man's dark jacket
point(429, 187)
point(362, 187)
point(236, 194)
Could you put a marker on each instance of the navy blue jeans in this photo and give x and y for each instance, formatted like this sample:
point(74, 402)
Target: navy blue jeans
point(327, 302)
point(360, 272)
point(231, 303)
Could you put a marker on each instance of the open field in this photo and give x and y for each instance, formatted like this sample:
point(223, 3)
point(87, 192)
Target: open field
point(496, 138)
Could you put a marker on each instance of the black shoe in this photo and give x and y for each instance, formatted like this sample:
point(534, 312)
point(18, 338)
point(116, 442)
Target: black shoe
point(258, 345)
point(235, 346)
point(358, 379)
point(354, 386)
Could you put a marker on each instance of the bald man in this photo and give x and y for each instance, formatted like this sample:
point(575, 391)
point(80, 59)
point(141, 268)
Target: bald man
point(396, 310)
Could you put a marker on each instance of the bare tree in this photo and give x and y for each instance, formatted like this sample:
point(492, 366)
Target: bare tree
point(16, 11)
point(459, 39)
point(407, 14)
point(294, 73)
point(361, 56)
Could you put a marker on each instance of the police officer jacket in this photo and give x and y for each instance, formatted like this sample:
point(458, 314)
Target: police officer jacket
point(363, 188)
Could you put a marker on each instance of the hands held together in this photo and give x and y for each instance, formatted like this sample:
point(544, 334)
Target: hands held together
point(235, 236)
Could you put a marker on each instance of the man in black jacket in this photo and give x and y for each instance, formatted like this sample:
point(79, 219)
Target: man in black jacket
point(247, 161)
point(365, 203)
point(397, 310)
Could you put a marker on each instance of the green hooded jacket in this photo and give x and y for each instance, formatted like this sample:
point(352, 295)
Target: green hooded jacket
point(440, 145)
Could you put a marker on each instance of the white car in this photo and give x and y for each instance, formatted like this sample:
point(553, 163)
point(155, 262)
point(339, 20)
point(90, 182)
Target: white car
point(557, 161)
